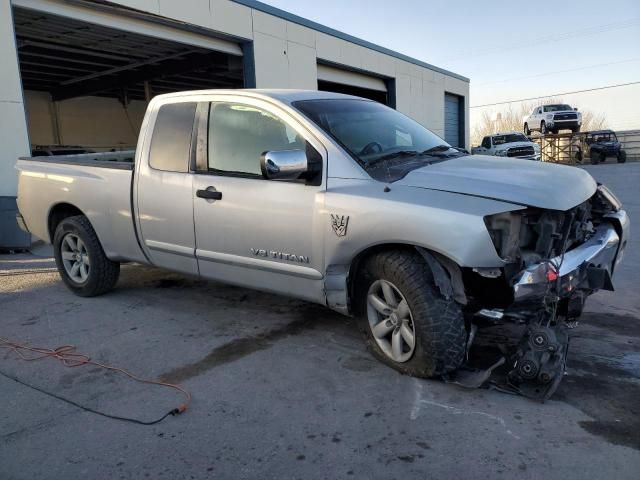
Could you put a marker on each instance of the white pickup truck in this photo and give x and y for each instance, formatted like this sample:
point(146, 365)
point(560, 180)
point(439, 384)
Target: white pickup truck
point(553, 118)
point(510, 144)
point(344, 202)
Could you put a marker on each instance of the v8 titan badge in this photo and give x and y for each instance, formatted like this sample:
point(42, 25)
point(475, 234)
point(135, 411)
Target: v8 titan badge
point(339, 224)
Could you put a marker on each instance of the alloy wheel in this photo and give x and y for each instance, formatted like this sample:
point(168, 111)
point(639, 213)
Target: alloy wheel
point(75, 258)
point(391, 321)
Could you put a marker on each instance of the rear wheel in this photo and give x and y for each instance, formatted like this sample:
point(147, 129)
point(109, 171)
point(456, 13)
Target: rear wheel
point(80, 259)
point(408, 324)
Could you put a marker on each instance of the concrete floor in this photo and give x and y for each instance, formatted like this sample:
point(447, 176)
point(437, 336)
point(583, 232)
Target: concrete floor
point(285, 389)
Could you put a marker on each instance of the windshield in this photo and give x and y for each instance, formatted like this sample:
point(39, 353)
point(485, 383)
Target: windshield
point(373, 133)
point(557, 108)
point(510, 138)
point(605, 137)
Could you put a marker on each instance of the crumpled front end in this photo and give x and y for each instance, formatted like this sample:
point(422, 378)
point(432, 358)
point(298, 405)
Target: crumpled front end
point(563, 254)
point(553, 260)
point(585, 269)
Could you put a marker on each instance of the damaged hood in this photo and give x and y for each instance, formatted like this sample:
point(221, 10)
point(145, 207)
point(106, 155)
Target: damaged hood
point(539, 184)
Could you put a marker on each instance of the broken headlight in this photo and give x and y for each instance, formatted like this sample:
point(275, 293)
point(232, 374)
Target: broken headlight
point(504, 230)
point(609, 197)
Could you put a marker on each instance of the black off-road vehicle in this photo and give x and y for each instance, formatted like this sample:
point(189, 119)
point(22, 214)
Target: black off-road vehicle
point(599, 145)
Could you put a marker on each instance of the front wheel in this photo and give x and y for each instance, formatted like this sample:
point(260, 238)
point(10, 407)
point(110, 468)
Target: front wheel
point(602, 157)
point(527, 132)
point(81, 262)
point(543, 128)
point(408, 323)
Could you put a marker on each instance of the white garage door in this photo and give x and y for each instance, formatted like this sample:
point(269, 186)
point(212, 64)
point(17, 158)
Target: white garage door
point(345, 77)
point(121, 18)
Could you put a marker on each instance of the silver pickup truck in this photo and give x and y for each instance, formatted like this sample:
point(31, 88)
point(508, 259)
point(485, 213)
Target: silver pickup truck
point(347, 203)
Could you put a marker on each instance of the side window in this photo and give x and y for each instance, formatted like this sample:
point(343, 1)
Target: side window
point(486, 142)
point(171, 138)
point(240, 134)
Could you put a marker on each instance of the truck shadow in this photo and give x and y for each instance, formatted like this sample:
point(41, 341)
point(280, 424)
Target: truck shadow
point(602, 378)
point(603, 366)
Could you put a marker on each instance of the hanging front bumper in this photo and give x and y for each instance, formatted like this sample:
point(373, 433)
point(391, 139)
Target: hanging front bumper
point(588, 267)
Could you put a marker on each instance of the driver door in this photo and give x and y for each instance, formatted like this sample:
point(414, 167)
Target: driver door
point(256, 233)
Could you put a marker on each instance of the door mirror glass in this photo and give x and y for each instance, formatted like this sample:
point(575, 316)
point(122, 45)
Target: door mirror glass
point(284, 164)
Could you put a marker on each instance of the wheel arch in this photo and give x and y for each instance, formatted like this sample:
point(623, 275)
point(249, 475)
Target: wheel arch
point(59, 212)
point(340, 280)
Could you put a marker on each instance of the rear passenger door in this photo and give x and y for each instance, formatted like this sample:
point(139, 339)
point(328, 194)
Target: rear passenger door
point(163, 191)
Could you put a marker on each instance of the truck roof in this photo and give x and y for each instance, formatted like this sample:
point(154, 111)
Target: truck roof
point(284, 95)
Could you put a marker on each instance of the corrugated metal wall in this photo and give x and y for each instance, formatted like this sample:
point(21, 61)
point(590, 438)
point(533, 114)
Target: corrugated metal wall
point(630, 140)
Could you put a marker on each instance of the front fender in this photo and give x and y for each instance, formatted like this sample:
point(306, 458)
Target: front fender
point(446, 223)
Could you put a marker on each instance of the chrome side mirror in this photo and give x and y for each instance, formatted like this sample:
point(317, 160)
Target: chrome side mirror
point(284, 164)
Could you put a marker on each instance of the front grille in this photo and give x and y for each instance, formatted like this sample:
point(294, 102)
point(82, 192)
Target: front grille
point(520, 151)
point(566, 116)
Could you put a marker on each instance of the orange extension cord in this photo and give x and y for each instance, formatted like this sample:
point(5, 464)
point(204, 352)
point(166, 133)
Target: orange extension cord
point(68, 356)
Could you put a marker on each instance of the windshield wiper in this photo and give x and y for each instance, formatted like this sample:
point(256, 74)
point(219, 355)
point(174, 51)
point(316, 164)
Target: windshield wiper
point(389, 156)
point(436, 149)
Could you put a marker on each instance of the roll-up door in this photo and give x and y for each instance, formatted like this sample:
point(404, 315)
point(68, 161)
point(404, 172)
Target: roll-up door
point(452, 120)
point(334, 79)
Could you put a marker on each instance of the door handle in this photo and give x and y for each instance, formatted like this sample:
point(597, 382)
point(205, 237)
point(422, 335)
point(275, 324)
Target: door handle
point(209, 194)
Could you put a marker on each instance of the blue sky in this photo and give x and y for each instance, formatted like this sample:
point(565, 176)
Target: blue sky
point(508, 49)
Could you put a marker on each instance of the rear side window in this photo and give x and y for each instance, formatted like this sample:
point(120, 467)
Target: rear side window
point(171, 140)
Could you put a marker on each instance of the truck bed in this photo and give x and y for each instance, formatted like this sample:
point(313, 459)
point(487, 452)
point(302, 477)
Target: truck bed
point(123, 160)
point(98, 184)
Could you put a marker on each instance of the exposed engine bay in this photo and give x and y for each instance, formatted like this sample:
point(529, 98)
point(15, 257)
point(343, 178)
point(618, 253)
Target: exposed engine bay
point(541, 287)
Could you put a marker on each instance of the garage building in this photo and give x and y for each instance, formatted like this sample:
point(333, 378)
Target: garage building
point(77, 74)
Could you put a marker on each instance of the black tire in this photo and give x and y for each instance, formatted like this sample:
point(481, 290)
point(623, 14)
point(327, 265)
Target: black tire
point(102, 274)
point(622, 156)
point(602, 157)
point(594, 159)
point(527, 132)
point(440, 334)
point(575, 130)
point(543, 128)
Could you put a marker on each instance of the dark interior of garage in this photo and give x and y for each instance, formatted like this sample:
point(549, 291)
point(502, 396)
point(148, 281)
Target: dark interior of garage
point(371, 94)
point(67, 59)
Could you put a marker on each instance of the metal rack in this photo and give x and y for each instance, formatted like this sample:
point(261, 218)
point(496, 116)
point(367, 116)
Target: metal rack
point(560, 147)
